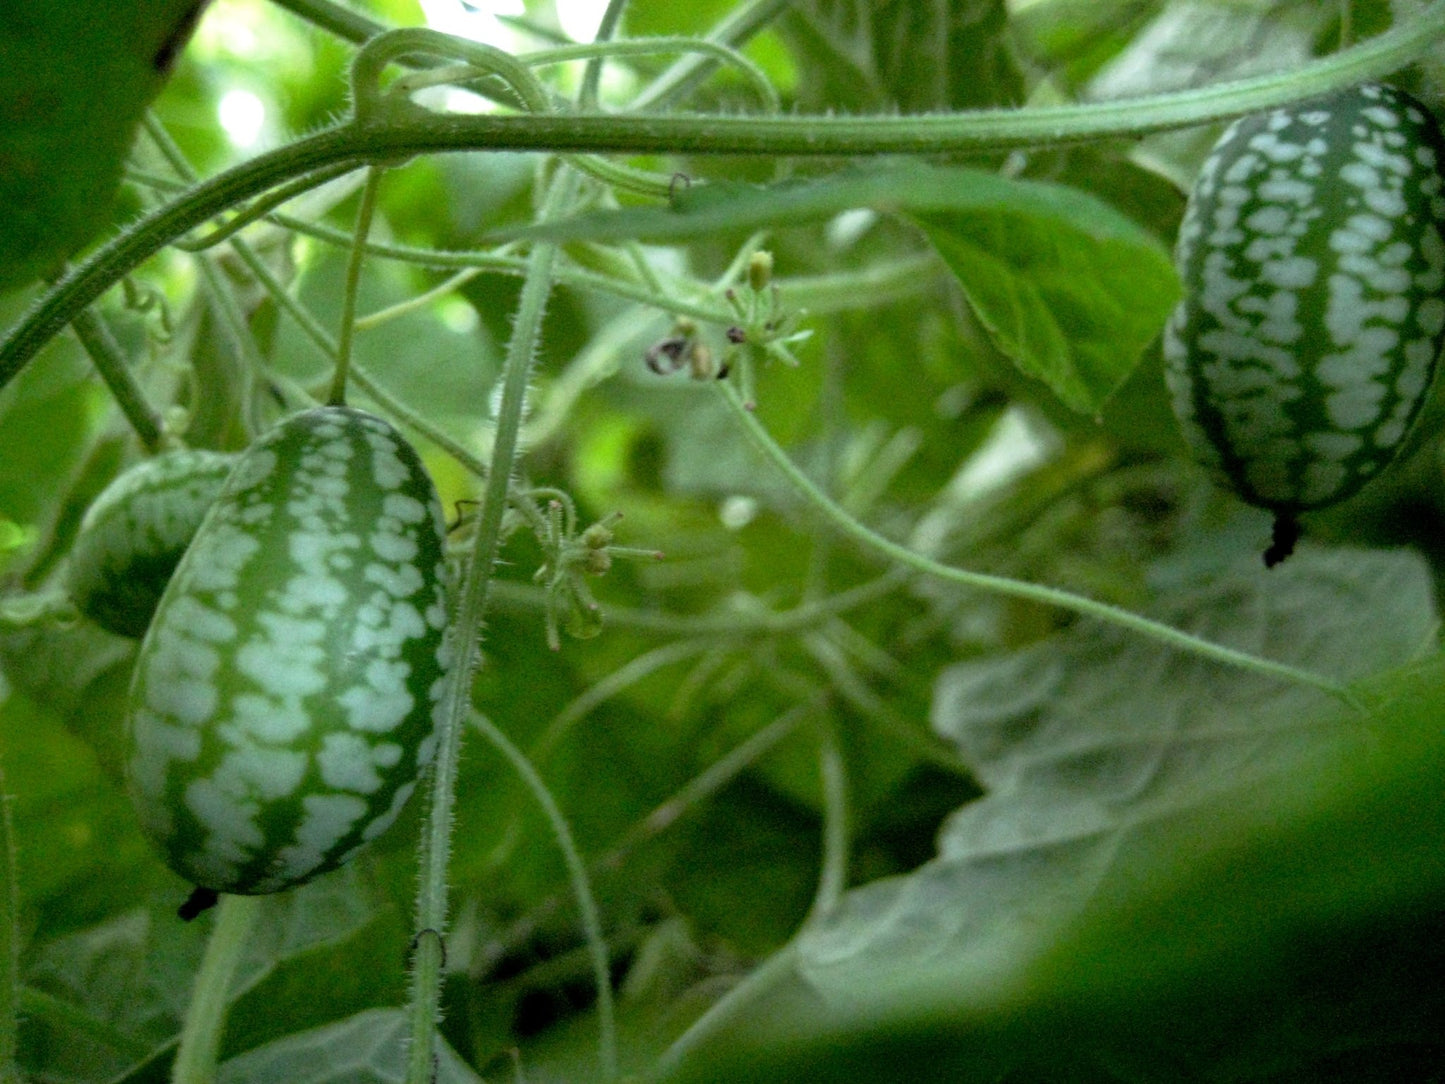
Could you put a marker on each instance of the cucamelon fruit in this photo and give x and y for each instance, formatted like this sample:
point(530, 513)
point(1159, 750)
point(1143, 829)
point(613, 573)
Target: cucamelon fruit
point(1312, 260)
point(134, 532)
point(285, 697)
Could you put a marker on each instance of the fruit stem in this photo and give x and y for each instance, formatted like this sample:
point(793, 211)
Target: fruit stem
point(205, 1021)
point(1282, 540)
point(110, 362)
point(344, 337)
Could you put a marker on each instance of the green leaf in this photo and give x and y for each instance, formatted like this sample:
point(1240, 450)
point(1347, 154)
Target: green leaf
point(61, 154)
point(877, 54)
point(368, 1048)
point(109, 1000)
point(1073, 306)
point(1067, 287)
point(48, 415)
point(1155, 826)
point(74, 830)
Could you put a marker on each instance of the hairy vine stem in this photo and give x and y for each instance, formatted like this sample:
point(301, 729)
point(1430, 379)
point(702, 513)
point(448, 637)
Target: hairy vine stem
point(465, 640)
point(1002, 585)
point(394, 134)
point(354, 259)
point(110, 362)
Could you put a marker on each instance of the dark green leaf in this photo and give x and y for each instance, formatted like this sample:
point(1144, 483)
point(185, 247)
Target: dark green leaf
point(110, 999)
point(1074, 307)
point(60, 155)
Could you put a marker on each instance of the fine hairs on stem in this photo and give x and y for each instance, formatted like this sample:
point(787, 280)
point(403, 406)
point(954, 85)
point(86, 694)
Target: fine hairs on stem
point(379, 136)
point(206, 1014)
point(414, 132)
point(465, 635)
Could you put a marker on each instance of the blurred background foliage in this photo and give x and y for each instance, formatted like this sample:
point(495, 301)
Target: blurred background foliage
point(1030, 799)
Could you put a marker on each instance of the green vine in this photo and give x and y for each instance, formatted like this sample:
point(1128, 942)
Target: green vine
point(110, 362)
point(355, 258)
point(391, 137)
point(1049, 596)
point(388, 128)
point(465, 636)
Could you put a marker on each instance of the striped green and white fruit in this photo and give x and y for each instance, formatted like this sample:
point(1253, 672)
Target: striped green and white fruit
point(134, 533)
point(285, 697)
point(1313, 263)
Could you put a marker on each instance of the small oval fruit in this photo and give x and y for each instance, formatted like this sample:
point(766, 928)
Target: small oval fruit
point(285, 697)
point(1312, 255)
point(135, 532)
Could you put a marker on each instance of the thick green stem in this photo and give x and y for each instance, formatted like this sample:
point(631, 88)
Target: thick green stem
point(466, 631)
point(413, 132)
point(110, 363)
point(206, 1015)
point(1002, 585)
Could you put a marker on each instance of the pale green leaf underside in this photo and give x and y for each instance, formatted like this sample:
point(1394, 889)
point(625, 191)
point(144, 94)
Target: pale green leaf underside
point(368, 1048)
point(1101, 754)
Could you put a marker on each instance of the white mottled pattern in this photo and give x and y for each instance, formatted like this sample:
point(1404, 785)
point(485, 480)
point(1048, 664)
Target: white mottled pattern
point(346, 763)
point(243, 659)
point(386, 819)
point(328, 819)
point(254, 771)
point(1334, 446)
point(1322, 477)
point(265, 718)
point(387, 469)
point(1312, 242)
point(1357, 405)
point(229, 820)
point(1430, 316)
